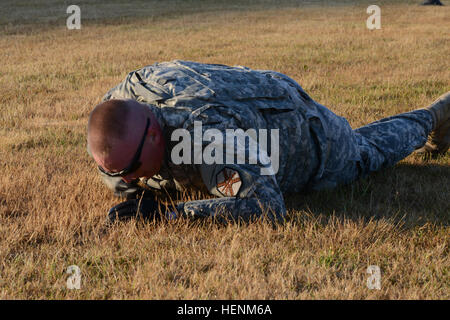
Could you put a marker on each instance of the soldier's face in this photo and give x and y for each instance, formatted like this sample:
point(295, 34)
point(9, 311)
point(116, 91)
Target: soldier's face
point(147, 165)
point(140, 153)
point(144, 168)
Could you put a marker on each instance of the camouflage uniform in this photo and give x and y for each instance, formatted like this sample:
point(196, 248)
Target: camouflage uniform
point(317, 149)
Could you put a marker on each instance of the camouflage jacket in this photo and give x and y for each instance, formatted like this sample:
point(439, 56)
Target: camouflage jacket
point(182, 93)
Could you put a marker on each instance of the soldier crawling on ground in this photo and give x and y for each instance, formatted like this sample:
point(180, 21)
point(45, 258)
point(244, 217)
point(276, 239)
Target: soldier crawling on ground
point(132, 136)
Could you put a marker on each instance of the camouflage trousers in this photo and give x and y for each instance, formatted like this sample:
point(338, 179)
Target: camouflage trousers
point(381, 144)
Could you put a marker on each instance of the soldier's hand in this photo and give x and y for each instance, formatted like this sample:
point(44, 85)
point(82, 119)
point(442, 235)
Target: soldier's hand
point(146, 209)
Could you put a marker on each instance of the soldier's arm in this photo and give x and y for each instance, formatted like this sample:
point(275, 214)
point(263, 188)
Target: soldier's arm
point(243, 193)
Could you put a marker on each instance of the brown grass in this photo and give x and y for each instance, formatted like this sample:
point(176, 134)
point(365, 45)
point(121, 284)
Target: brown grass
point(53, 205)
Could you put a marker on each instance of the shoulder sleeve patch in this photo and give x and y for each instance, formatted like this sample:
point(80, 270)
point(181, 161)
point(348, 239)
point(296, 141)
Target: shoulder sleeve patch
point(228, 182)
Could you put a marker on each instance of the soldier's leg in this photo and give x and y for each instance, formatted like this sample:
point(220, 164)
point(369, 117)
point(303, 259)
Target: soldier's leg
point(355, 153)
point(339, 152)
point(385, 142)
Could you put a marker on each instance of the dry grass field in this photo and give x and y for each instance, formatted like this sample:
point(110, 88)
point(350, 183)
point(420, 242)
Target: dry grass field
point(53, 205)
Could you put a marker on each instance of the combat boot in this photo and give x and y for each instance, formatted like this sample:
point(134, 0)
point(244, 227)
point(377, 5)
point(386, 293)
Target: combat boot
point(439, 139)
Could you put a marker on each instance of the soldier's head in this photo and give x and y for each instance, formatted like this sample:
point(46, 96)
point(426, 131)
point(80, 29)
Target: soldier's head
point(125, 139)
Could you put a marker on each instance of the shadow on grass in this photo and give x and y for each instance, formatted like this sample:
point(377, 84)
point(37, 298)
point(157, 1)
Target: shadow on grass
point(407, 195)
point(410, 195)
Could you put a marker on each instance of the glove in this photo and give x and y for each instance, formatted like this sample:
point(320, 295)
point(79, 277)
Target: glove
point(145, 208)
